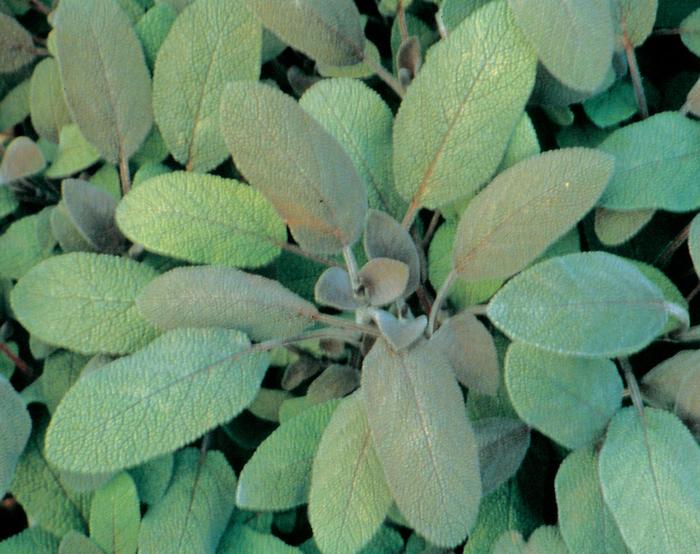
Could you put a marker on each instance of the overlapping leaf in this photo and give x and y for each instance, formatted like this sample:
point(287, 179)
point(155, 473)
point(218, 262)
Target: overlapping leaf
point(115, 515)
point(25, 243)
point(48, 108)
point(15, 427)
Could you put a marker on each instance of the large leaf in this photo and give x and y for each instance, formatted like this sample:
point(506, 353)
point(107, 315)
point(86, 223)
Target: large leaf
point(574, 39)
point(323, 199)
point(211, 296)
point(77, 542)
point(349, 497)
point(478, 78)
point(115, 516)
point(106, 82)
point(330, 31)
point(180, 386)
point(48, 108)
point(33, 540)
point(15, 428)
point(211, 43)
point(16, 46)
point(25, 243)
point(662, 149)
point(634, 18)
point(526, 209)
point(226, 222)
point(242, 538)
point(652, 461)
point(423, 439)
point(84, 302)
point(589, 304)
point(74, 153)
point(192, 515)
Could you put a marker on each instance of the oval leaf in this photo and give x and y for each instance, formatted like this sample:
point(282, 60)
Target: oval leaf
point(22, 158)
point(48, 108)
point(115, 515)
point(674, 384)
point(384, 280)
point(614, 228)
point(15, 44)
point(25, 243)
point(336, 381)
point(74, 153)
point(503, 444)
point(334, 289)
point(15, 428)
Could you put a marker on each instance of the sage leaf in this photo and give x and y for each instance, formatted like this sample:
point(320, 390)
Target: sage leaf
point(61, 370)
point(22, 158)
point(84, 302)
point(652, 460)
point(16, 45)
point(423, 440)
point(334, 289)
point(227, 222)
point(590, 304)
point(242, 538)
point(614, 228)
point(96, 44)
point(25, 243)
point(401, 333)
point(503, 444)
point(674, 384)
point(211, 43)
point(15, 428)
point(8, 202)
point(213, 372)
point(49, 112)
point(153, 478)
point(384, 280)
point(441, 153)
point(324, 200)
point(33, 540)
point(694, 243)
point(66, 233)
point(689, 28)
point(211, 296)
point(74, 153)
point(635, 19)
point(115, 515)
point(544, 540)
point(336, 381)
point(152, 29)
point(77, 542)
point(453, 12)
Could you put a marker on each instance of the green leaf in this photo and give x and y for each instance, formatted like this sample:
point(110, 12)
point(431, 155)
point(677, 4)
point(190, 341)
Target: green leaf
point(106, 82)
point(329, 32)
point(324, 199)
point(15, 428)
point(267, 404)
point(694, 243)
point(503, 444)
point(453, 12)
point(190, 381)
point(152, 479)
point(652, 460)
point(227, 222)
point(384, 280)
point(152, 29)
point(115, 516)
point(478, 78)
point(423, 439)
point(336, 381)
point(526, 209)
point(278, 476)
point(241, 538)
point(7, 366)
point(65, 232)
point(25, 243)
point(349, 497)
point(362, 70)
point(211, 296)
point(22, 158)
point(74, 153)
point(545, 540)
point(33, 540)
point(635, 18)
point(573, 39)
point(612, 106)
point(662, 149)
point(690, 32)
point(84, 302)
point(571, 400)
point(73, 542)
point(670, 292)
point(674, 384)
point(47, 105)
point(585, 521)
point(192, 515)
point(61, 370)
point(334, 289)
point(16, 45)
point(589, 304)
point(219, 41)
point(362, 123)
point(8, 202)
point(614, 228)
point(14, 106)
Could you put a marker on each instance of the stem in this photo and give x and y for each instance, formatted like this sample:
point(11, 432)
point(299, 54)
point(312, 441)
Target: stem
point(635, 393)
point(431, 229)
point(410, 216)
point(19, 362)
point(439, 299)
point(353, 272)
point(478, 309)
point(667, 32)
point(124, 175)
point(693, 294)
point(385, 76)
point(346, 324)
point(401, 15)
point(634, 72)
point(442, 30)
point(665, 257)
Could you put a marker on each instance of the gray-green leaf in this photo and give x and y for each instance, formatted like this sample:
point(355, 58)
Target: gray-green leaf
point(22, 158)
point(15, 428)
point(25, 243)
point(74, 153)
point(503, 444)
point(115, 516)
point(16, 46)
point(48, 108)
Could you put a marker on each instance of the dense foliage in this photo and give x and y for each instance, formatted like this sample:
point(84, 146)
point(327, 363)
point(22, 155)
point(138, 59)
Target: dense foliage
point(306, 276)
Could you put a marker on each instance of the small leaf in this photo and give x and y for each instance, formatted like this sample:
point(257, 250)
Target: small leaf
point(214, 372)
point(324, 200)
point(153, 478)
point(33, 540)
point(267, 404)
point(209, 296)
point(22, 158)
point(423, 440)
point(692, 102)
point(589, 304)
point(47, 105)
point(73, 542)
point(15, 428)
point(74, 153)
point(336, 381)
point(401, 333)
point(333, 289)
point(384, 280)
point(545, 540)
point(192, 515)
point(152, 29)
point(503, 444)
point(652, 461)
point(408, 60)
point(14, 106)
point(674, 384)
point(227, 222)
point(115, 516)
point(689, 28)
point(8, 202)
point(329, 32)
point(16, 46)
point(25, 243)
point(614, 228)
point(241, 538)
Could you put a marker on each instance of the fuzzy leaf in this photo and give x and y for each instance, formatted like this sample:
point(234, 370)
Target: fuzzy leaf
point(478, 78)
point(74, 542)
point(115, 516)
point(152, 479)
point(48, 108)
point(96, 44)
point(323, 199)
point(227, 222)
point(384, 280)
point(152, 29)
point(635, 18)
point(423, 439)
point(614, 228)
point(211, 296)
point(349, 497)
point(33, 540)
point(571, 400)
point(74, 153)
point(589, 304)
point(15, 428)
point(61, 370)
point(334, 289)
point(192, 515)
point(242, 538)
point(16, 46)
point(674, 384)
point(694, 243)
point(503, 444)
point(189, 381)
point(84, 302)
point(8, 202)
point(652, 461)
point(526, 209)
point(211, 43)
point(14, 106)
point(25, 243)
point(278, 476)
point(336, 381)
point(545, 540)
point(329, 31)
point(22, 158)
point(690, 28)
point(401, 333)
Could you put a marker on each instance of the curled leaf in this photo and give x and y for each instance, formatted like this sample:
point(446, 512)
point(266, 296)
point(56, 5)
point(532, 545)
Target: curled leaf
point(384, 280)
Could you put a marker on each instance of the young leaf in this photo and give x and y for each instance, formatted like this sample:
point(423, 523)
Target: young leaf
point(441, 152)
point(25, 243)
point(278, 476)
point(652, 461)
point(401, 333)
point(227, 222)
point(329, 32)
point(213, 373)
point(22, 158)
point(15, 428)
point(589, 304)
point(33, 540)
point(384, 280)
point(74, 153)
point(503, 444)
point(242, 538)
point(48, 108)
point(192, 515)
point(73, 542)
point(574, 39)
point(526, 209)
point(106, 82)
point(323, 199)
point(16, 45)
point(209, 296)
point(614, 228)
point(689, 28)
point(334, 289)
point(336, 381)
point(423, 439)
point(84, 302)
point(662, 149)
point(349, 497)
point(115, 516)
point(152, 479)
point(585, 521)
point(211, 43)
point(545, 540)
